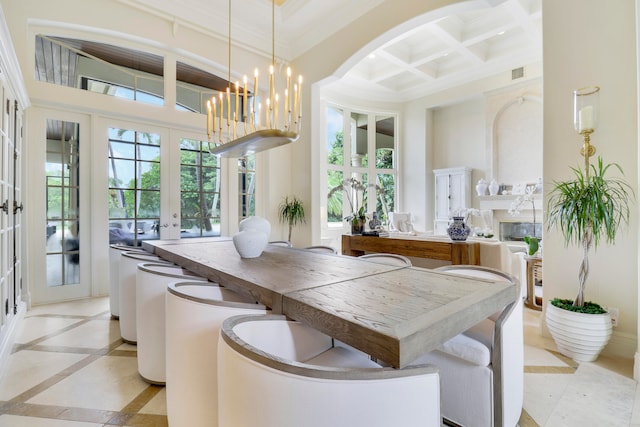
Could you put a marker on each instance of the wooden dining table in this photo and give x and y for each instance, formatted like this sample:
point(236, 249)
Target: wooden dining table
point(394, 313)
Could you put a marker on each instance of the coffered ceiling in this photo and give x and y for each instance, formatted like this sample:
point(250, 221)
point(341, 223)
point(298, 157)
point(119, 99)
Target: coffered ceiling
point(471, 44)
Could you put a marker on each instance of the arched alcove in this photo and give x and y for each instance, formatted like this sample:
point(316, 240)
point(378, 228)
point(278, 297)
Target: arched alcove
point(517, 141)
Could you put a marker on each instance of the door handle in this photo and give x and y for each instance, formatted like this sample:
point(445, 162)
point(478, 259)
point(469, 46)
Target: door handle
point(16, 207)
point(5, 207)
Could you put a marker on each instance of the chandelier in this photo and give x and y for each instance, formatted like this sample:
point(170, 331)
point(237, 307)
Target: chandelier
point(241, 126)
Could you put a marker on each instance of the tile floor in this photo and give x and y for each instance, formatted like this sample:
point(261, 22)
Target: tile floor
point(70, 368)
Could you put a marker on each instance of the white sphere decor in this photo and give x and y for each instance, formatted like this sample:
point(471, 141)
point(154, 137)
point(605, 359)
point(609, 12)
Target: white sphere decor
point(250, 243)
point(255, 223)
point(579, 336)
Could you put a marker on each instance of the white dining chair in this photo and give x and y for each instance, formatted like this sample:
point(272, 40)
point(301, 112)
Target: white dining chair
point(194, 314)
point(127, 291)
point(275, 372)
point(152, 280)
point(386, 258)
point(321, 249)
point(114, 275)
point(280, 243)
point(482, 369)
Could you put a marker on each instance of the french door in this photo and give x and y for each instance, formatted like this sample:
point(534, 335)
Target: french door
point(102, 181)
point(11, 208)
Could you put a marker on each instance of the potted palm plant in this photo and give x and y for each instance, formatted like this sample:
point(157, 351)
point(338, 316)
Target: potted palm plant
point(588, 210)
point(291, 212)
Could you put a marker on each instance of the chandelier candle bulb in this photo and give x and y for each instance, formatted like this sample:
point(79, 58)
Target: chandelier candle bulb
point(259, 118)
point(287, 92)
point(275, 117)
point(244, 101)
point(228, 106)
point(221, 108)
point(272, 89)
point(295, 104)
point(266, 114)
point(209, 119)
point(236, 115)
point(213, 115)
point(299, 100)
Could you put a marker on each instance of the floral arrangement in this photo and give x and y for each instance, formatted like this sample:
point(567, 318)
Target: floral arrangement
point(531, 241)
point(351, 187)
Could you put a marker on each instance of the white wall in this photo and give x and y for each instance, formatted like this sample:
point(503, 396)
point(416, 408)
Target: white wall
point(592, 42)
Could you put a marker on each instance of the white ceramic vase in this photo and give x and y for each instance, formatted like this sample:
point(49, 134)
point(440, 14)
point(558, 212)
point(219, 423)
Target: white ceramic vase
point(255, 223)
point(250, 243)
point(481, 187)
point(493, 187)
point(579, 336)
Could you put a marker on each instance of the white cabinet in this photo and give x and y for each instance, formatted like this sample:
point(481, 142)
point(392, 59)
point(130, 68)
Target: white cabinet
point(453, 193)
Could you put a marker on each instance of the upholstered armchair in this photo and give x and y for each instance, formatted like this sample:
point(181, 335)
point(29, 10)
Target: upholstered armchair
point(482, 369)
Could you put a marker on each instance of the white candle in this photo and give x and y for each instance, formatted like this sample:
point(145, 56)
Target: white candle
point(267, 113)
point(228, 106)
point(255, 89)
point(213, 104)
point(275, 114)
point(221, 110)
point(235, 116)
point(244, 101)
point(585, 118)
point(209, 119)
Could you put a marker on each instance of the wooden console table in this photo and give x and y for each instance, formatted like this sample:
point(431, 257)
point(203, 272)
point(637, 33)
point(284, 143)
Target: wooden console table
point(427, 247)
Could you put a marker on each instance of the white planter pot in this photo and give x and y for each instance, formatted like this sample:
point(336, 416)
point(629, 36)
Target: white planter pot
point(577, 335)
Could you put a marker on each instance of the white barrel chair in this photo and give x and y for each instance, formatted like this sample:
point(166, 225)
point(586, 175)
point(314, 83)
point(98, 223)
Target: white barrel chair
point(127, 291)
point(322, 249)
point(274, 372)
point(152, 280)
point(386, 258)
point(114, 275)
point(482, 369)
point(194, 314)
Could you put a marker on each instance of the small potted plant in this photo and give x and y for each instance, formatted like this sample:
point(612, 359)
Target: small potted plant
point(588, 209)
point(291, 212)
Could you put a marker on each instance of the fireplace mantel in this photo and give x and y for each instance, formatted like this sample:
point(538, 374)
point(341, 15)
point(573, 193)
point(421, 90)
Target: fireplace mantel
point(504, 202)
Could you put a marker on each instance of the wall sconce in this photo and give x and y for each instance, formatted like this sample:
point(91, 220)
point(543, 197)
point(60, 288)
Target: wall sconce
point(586, 106)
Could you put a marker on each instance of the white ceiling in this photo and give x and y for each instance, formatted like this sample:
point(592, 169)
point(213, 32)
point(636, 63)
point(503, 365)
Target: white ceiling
point(436, 55)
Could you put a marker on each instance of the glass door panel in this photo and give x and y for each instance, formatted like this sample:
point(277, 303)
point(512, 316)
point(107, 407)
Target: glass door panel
point(62, 203)
point(134, 186)
point(199, 190)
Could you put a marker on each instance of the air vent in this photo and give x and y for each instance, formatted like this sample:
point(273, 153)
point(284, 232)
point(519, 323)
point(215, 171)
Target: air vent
point(517, 73)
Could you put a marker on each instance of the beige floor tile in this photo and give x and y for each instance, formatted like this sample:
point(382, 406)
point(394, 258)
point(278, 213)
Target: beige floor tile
point(608, 396)
point(85, 307)
point(94, 334)
point(34, 327)
point(157, 405)
point(27, 369)
point(542, 393)
point(127, 347)
point(18, 421)
point(108, 383)
point(534, 356)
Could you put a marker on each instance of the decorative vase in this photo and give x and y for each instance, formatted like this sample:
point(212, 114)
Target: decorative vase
point(493, 187)
point(481, 187)
point(357, 227)
point(458, 230)
point(250, 243)
point(255, 223)
point(580, 336)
